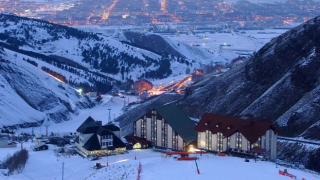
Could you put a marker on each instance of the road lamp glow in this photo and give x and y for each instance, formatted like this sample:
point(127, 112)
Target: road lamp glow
point(79, 91)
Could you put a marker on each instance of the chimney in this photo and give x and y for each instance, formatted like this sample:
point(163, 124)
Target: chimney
point(99, 123)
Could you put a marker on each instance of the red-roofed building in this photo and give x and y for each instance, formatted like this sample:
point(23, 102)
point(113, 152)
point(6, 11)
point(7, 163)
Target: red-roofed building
point(143, 85)
point(137, 142)
point(223, 133)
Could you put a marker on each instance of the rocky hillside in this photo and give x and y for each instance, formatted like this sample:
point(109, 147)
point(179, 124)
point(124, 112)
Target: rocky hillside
point(280, 82)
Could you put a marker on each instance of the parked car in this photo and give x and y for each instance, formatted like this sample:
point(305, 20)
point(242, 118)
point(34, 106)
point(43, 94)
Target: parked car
point(93, 157)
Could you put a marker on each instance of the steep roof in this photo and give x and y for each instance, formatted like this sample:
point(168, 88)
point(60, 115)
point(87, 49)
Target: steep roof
point(40, 144)
point(117, 143)
point(250, 129)
point(88, 126)
point(112, 127)
point(179, 121)
point(92, 144)
point(103, 131)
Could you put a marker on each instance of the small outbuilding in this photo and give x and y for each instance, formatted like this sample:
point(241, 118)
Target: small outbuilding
point(137, 142)
point(3, 142)
point(143, 85)
point(40, 146)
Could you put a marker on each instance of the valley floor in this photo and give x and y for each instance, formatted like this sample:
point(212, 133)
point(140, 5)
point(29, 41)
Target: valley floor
point(155, 166)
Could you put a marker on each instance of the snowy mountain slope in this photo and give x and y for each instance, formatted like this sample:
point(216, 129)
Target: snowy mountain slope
point(163, 45)
point(281, 83)
point(29, 95)
point(96, 52)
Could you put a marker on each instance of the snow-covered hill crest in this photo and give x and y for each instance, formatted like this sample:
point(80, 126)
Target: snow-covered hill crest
point(29, 95)
point(98, 52)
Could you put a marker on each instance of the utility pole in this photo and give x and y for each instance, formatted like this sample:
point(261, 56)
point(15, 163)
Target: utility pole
point(62, 169)
point(46, 125)
point(109, 120)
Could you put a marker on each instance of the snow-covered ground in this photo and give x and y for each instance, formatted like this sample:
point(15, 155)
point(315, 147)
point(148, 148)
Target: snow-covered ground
point(155, 166)
point(44, 165)
point(100, 112)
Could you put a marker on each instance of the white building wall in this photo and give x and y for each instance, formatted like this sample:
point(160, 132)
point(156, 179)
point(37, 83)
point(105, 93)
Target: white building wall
point(267, 139)
point(244, 143)
point(148, 124)
point(138, 128)
point(201, 140)
point(225, 145)
point(214, 142)
point(233, 141)
point(169, 136)
point(180, 142)
point(159, 133)
point(273, 146)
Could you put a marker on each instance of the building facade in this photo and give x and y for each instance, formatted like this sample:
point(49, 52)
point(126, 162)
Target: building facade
point(221, 133)
point(93, 138)
point(166, 127)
